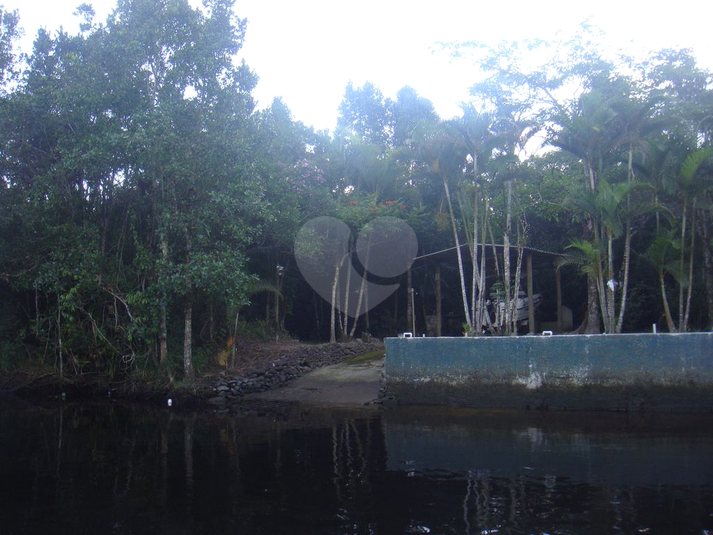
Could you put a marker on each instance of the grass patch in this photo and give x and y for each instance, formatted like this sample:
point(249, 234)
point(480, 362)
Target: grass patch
point(366, 357)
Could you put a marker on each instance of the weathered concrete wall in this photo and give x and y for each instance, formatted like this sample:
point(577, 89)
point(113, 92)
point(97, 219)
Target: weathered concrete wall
point(600, 372)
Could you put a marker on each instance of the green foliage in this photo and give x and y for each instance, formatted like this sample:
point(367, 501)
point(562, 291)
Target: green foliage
point(663, 253)
point(137, 181)
point(584, 255)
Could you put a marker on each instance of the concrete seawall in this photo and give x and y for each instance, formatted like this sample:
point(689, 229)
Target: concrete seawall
point(667, 372)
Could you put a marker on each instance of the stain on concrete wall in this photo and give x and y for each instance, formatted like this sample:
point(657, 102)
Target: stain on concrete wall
point(607, 372)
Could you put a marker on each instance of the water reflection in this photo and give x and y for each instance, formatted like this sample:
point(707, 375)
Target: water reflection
point(297, 469)
point(559, 473)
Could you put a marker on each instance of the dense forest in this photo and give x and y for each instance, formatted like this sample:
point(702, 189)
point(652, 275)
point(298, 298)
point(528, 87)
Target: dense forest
point(148, 209)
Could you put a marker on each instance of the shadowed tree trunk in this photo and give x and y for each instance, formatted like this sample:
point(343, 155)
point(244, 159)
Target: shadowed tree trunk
point(708, 266)
point(188, 371)
point(163, 323)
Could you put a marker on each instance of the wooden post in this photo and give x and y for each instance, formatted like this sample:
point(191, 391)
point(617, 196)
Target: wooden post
point(439, 311)
point(413, 313)
point(530, 306)
point(409, 301)
point(279, 272)
point(558, 284)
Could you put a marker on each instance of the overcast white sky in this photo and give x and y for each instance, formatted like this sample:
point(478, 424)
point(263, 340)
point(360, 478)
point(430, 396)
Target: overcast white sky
point(306, 51)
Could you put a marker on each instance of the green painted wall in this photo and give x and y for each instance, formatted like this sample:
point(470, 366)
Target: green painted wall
point(610, 372)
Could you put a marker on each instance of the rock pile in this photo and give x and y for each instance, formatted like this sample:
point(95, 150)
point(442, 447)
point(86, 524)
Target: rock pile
point(303, 359)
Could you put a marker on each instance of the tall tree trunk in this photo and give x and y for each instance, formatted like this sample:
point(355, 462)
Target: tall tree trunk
point(498, 272)
point(506, 259)
point(163, 312)
point(461, 272)
point(593, 322)
point(594, 308)
point(317, 311)
point(439, 304)
point(483, 316)
point(708, 266)
point(347, 288)
point(516, 296)
point(684, 325)
point(59, 338)
point(601, 292)
point(233, 350)
point(277, 314)
point(336, 299)
point(333, 306)
point(518, 276)
point(666, 309)
point(681, 265)
point(367, 326)
point(627, 245)
point(362, 290)
point(625, 282)
point(611, 293)
point(476, 290)
point(188, 372)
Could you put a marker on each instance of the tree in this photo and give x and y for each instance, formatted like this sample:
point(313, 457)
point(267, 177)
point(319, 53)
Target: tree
point(409, 113)
point(477, 132)
point(660, 255)
point(189, 127)
point(134, 150)
point(9, 33)
point(687, 188)
point(610, 209)
point(364, 111)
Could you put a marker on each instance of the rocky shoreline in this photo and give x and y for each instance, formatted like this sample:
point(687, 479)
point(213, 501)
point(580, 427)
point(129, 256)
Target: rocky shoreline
point(279, 372)
point(261, 367)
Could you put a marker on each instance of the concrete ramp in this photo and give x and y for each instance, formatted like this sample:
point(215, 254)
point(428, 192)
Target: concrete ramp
point(344, 384)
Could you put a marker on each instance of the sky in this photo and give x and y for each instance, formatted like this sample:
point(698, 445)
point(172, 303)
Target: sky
point(306, 51)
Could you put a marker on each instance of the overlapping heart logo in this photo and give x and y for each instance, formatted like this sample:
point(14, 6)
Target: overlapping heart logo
point(354, 275)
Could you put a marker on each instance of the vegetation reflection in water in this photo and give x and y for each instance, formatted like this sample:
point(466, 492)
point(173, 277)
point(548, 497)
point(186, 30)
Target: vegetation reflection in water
point(296, 469)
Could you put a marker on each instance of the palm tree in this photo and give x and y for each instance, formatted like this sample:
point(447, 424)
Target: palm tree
point(690, 184)
point(660, 255)
point(475, 131)
point(588, 131)
point(586, 255)
point(609, 209)
point(491, 141)
point(608, 126)
point(448, 163)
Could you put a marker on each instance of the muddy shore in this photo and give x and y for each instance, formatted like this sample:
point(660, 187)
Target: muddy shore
point(259, 367)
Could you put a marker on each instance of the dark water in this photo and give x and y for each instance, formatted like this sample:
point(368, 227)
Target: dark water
point(108, 468)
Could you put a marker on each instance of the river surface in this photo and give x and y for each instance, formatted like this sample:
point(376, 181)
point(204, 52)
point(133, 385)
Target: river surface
point(118, 469)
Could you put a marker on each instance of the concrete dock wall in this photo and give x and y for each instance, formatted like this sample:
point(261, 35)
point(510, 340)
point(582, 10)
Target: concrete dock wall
point(590, 372)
